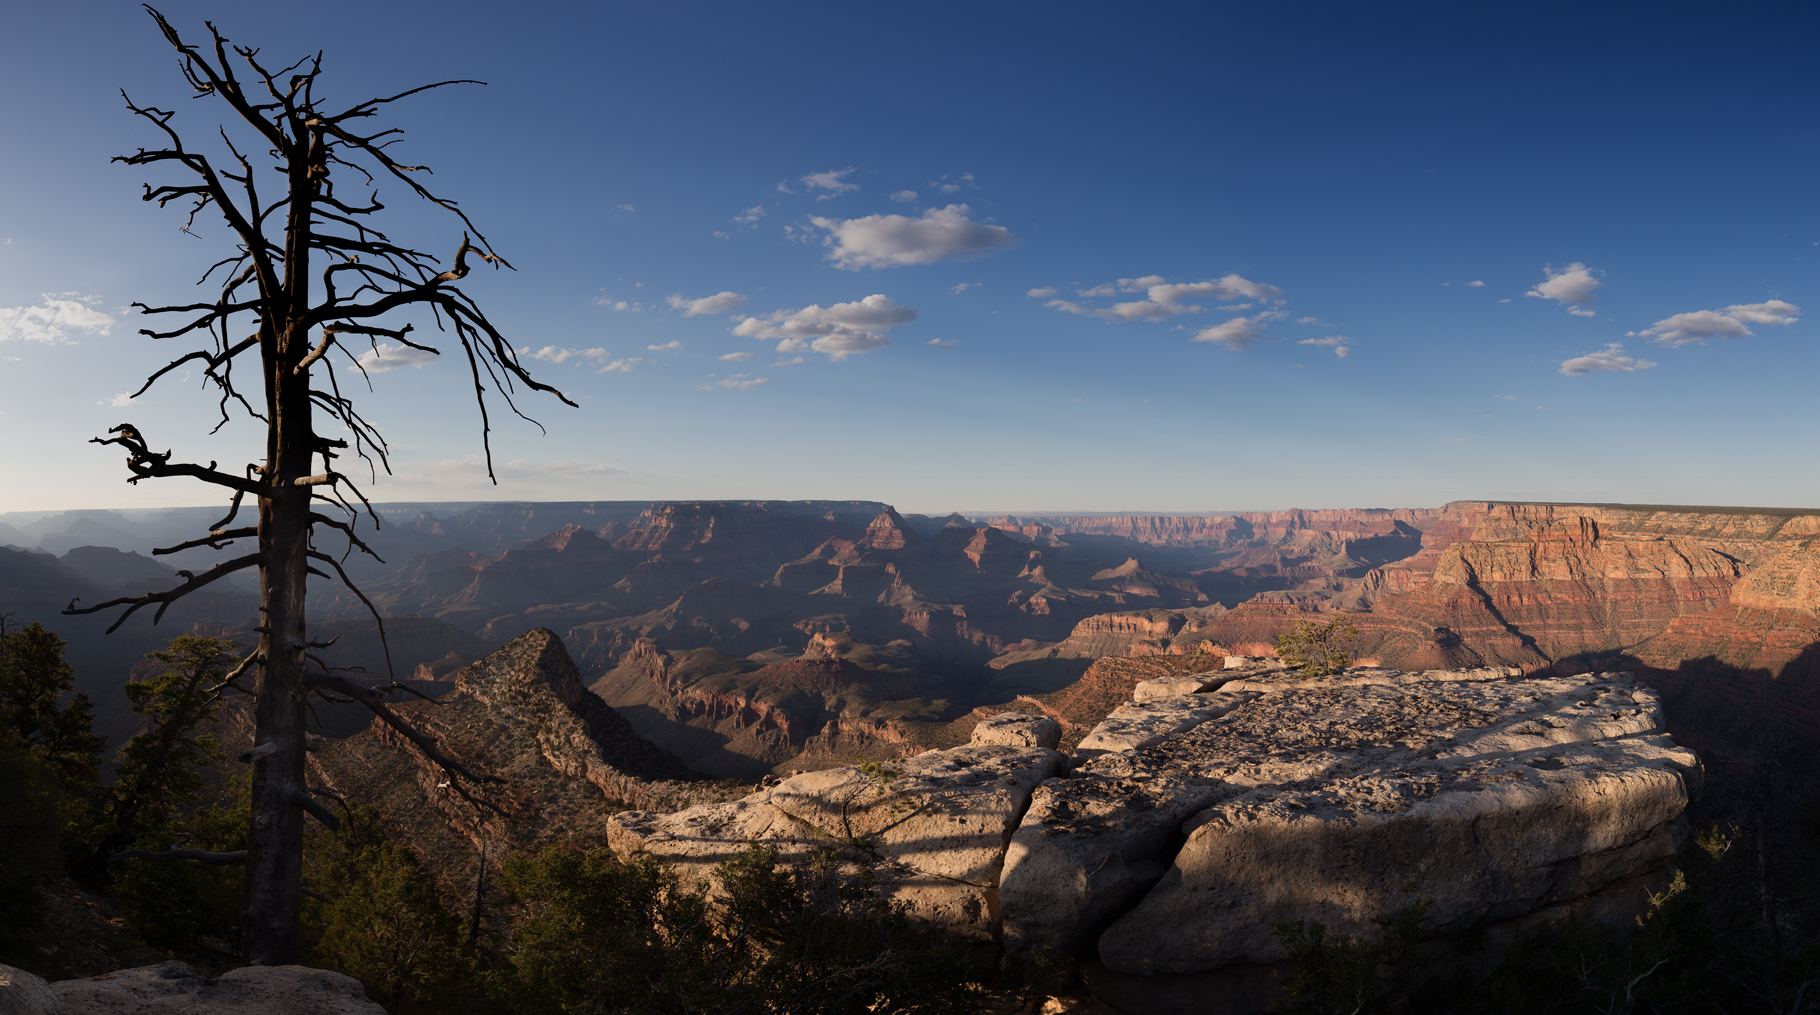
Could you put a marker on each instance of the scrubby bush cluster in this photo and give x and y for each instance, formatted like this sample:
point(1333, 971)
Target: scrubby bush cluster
point(1318, 650)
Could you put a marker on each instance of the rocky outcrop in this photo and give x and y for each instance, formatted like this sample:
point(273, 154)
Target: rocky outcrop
point(173, 988)
point(521, 715)
point(1192, 824)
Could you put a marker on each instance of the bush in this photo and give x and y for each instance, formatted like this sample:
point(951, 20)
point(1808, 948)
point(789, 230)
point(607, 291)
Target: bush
point(1317, 649)
point(598, 936)
point(383, 921)
point(187, 905)
point(29, 827)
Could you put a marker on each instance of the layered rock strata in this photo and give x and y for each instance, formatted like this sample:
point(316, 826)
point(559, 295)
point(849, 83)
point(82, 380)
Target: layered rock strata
point(1192, 823)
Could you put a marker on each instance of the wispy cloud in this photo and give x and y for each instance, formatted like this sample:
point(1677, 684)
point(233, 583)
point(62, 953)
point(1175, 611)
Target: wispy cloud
point(666, 347)
point(1610, 359)
point(553, 354)
point(122, 399)
point(723, 302)
point(903, 196)
point(1041, 293)
point(1700, 325)
point(837, 332)
point(53, 319)
point(964, 286)
point(881, 241)
point(623, 306)
point(738, 357)
point(1163, 299)
point(1475, 285)
point(620, 366)
point(386, 356)
point(738, 382)
point(834, 182)
point(1340, 344)
point(942, 343)
point(1236, 334)
point(1571, 286)
point(946, 185)
point(750, 215)
point(625, 207)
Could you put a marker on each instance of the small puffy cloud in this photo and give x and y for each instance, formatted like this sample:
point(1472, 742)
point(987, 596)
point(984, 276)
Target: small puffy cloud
point(1571, 286)
point(1342, 351)
point(881, 241)
point(742, 382)
point(750, 215)
point(837, 332)
point(1610, 359)
point(948, 186)
point(722, 236)
point(620, 366)
point(1337, 343)
point(903, 196)
point(552, 354)
point(834, 181)
point(122, 399)
point(625, 207)
point(723, 302)
point(622, 306)
point(386, 356)
point(1700, 325)
point(53, 319)
point(666, 347)
point(1475, 285)
point(738, 357)
point(942, 343)
point(1163, 299)
point(1235, 334)
point(1041, 293)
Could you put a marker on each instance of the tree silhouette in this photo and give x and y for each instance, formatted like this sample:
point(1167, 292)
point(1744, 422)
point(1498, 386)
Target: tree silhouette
point(309, 275)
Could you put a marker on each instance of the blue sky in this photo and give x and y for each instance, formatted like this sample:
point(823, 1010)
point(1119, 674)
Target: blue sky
point(1331, 254)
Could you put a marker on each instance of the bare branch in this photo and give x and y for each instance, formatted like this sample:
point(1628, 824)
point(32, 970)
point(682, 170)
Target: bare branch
point(166, 598)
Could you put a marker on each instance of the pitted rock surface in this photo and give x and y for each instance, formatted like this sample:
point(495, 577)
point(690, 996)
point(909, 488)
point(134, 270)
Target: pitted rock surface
point(1018, 729)
point(1324, 799)
point(173, 988)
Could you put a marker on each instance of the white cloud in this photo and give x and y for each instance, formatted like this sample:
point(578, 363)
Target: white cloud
point(837, 332)
point(385, 356)
point(53, 320)
point(739, 357)
point(666, 347)
point(117, 401)
point(625, 207)
point(1042, 293)
point(1343, 351)
point(722, 236)
point(552, 354)
point(743, 385)
point(750, 215)
point(623, 306)
point(1235, 334)
point(620, 366)
point(964, 286)
point(1316, 321)
point(723, 302)
point(1701, 325)
point(1571, 286)
point(1504, 301)
point(1611, 359)
point(942, 343)
point(1475, 285)
point(1335, 341)
point(879, 241)
point(953, 187)
point(903, 196)
point(1163, 300)
point(834, 181)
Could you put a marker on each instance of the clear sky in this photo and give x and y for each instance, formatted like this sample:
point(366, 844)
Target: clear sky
point(1000, 256)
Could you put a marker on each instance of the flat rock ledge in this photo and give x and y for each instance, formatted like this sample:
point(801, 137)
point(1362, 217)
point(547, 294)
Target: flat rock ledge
point(1164, 851)
point(173, 988)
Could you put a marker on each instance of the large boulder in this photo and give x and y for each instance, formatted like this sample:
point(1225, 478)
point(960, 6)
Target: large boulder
point(936, 826)
point(173, 988)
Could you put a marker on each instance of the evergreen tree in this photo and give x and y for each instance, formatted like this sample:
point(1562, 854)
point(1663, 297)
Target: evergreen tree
point(159, 770)
point(35, 680)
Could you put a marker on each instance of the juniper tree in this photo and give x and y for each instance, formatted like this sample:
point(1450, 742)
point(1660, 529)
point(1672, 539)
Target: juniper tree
point(307, 276)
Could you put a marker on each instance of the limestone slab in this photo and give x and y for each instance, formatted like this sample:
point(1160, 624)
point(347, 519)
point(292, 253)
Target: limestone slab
point(1018, 729)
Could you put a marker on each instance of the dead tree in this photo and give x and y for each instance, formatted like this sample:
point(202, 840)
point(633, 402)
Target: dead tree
point(309, 274)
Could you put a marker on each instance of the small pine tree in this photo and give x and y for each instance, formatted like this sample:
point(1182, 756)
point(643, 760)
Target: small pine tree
point(35, 680)
point(1318, 650)
point(159, 770)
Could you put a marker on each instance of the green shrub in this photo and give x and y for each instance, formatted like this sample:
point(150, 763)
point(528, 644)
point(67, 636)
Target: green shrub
point(1318, 650)
point(382, 920)
point(186, 905)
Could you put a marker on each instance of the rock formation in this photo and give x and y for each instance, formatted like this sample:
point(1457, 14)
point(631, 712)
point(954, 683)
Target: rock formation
point(173, 988)
point(1191, 823)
